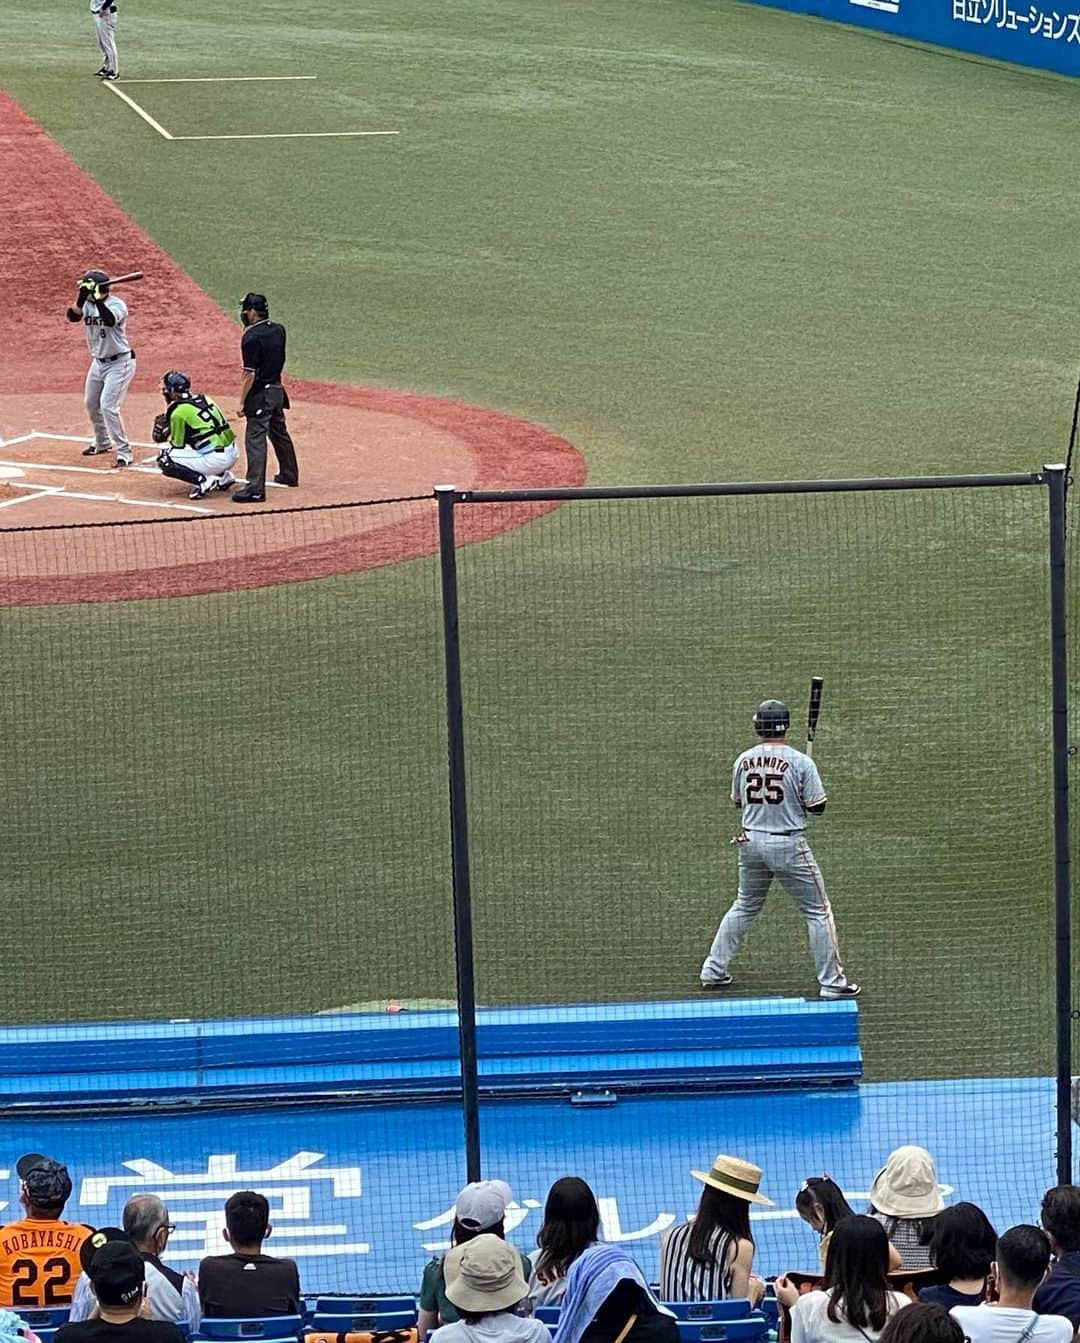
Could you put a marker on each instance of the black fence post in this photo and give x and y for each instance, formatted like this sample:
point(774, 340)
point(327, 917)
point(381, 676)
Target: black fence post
point(459, 836)
point(1055, 479)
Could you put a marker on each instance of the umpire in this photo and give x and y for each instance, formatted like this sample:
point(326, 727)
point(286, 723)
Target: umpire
point(263, 400)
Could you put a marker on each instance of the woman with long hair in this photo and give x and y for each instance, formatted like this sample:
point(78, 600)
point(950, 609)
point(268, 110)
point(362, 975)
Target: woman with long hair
point(962, 1244)
point(822, 1205)
point(855, 1301)
point(571, 1224)
point(709, 1258)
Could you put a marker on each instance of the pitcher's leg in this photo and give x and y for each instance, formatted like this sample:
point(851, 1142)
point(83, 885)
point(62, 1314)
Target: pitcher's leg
point(801, 878)
point(754, 879)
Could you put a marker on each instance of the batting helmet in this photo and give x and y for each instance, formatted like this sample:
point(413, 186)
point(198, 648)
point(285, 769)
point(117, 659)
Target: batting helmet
point(95, 277)
point(176, 382)
point(772, 718)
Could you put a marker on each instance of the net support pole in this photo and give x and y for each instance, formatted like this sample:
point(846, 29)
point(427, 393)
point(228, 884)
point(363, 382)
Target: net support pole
point(1055, 479)
point(459, 835)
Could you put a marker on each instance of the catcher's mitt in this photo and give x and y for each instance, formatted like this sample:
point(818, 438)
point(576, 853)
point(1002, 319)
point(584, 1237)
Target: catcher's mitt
point(160, 432)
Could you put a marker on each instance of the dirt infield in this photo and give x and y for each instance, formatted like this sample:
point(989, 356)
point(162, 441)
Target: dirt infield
point(353, 443)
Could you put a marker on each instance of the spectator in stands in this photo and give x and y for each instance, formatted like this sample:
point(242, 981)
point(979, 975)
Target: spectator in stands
point(822, 1205)
point(480, 1207)
point(118, 1276)
point(1008, 1316)
point(854, 1302)
point(709, 1257)
point(248, 1283)
point(923, 1322)
point(608, 1299)
point(171, 1295)
point(39, 1253)
point(485, 1283)
point(1060, 1216)
point(904, 1197)
point(961, 1245)
point(571, 1224)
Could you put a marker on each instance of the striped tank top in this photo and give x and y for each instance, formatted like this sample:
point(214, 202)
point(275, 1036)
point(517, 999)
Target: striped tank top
point(684, 1279)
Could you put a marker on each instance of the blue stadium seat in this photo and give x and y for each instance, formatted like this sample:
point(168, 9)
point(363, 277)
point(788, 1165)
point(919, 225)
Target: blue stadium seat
point(736, 1308)
point(44, 1317)
point(724, 1331)
point(270, 1326)
point(547, 1314)
point(364, 1305)
point(325, 1323)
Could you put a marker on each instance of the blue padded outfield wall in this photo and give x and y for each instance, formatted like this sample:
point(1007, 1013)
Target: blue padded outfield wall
point(1045, 34)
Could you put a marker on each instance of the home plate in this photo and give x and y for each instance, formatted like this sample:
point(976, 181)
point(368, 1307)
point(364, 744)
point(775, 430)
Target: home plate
point(11, 472)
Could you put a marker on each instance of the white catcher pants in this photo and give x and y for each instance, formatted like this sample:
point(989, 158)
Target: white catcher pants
point(106, 387)
point(206, 463)
point(106, 36)
point(787, 858)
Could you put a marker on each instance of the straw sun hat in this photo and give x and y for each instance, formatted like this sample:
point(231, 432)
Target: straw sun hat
point(732, 1176)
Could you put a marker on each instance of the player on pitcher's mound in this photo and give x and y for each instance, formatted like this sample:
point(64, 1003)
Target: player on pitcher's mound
point(775, 786)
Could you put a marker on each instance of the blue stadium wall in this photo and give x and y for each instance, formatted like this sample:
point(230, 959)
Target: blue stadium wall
point(1045, 34)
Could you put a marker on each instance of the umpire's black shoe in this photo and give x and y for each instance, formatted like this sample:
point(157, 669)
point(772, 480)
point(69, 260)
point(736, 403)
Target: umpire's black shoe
point(843, 991)
point(248, 497)
point(281, 480)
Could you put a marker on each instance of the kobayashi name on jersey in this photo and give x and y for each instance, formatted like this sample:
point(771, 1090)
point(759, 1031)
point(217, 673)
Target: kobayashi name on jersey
point(777, 763)
point(56, 1238)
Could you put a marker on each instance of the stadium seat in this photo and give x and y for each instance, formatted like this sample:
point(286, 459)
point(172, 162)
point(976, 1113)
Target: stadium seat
point(547, 1314)
point(375, 1320)
point(737, 1308)
point(44, 1317)
point(724, 1331)
point(364, 1305)
point(270, 1326)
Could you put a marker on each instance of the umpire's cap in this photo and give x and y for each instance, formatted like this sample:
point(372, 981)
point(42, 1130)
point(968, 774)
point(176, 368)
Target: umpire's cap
point(772, 718)
point(254, 303)
point(177, 382)
point(48, 1184)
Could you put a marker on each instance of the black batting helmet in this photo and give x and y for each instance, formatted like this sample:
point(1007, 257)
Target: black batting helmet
point(94, 277)
point(176, 382)
point(772, 718)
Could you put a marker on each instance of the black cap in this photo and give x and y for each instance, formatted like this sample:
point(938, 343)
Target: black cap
point(48, 1184)
point(117, 1273)
point(104, 1235)
point(256, 301)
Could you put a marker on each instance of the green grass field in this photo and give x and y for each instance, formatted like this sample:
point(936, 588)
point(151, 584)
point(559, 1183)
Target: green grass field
point(703, 241)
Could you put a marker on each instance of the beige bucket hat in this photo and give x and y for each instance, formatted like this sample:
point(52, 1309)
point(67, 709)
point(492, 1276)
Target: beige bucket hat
point(484, 1274)
point(907, 1186)
point(733, 1176)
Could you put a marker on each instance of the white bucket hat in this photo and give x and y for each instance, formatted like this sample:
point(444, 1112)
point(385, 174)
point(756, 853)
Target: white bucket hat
point(906, 1186)
point(484, 1274)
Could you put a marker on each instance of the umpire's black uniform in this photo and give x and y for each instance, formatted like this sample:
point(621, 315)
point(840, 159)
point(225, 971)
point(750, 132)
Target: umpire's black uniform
point(262, 349)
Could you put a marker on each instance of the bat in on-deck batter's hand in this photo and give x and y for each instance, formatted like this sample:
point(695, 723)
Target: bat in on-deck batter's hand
point(816, 684)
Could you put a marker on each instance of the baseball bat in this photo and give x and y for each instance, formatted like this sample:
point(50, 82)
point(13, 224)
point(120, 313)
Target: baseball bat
point(816, 684)
point(131, 275)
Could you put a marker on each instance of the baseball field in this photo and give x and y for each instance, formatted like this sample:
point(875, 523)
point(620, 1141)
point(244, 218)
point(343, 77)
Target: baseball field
point(696, 240)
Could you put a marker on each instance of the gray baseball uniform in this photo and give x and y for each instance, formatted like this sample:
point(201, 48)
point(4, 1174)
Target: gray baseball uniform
point(104, 15)
point(112, 367)
point(774, 784)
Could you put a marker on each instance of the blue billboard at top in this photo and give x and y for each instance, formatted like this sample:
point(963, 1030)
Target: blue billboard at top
point(1045, 34)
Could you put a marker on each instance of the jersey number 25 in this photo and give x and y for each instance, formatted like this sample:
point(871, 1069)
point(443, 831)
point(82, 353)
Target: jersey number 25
point(764, 787)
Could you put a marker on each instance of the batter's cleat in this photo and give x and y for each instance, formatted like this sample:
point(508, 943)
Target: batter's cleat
point(843, 991)
point(281, 480)
point(709, 984)
point(226, 480)
point(124, 459)
point(249, 497)
point(94, 451)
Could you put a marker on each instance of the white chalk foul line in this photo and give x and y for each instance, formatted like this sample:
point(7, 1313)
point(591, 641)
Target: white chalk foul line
point(285, 135)
point(23, 438)
point(217, 79)
point(37, 492)
point(111, 86)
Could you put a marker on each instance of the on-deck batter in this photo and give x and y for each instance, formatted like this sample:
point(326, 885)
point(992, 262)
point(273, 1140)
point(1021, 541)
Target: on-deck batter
point(775, 786)
point(112, 363)
point(103, 13)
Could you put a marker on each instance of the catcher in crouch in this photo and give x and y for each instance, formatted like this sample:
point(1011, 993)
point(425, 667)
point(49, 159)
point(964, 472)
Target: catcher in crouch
point(201, 447)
